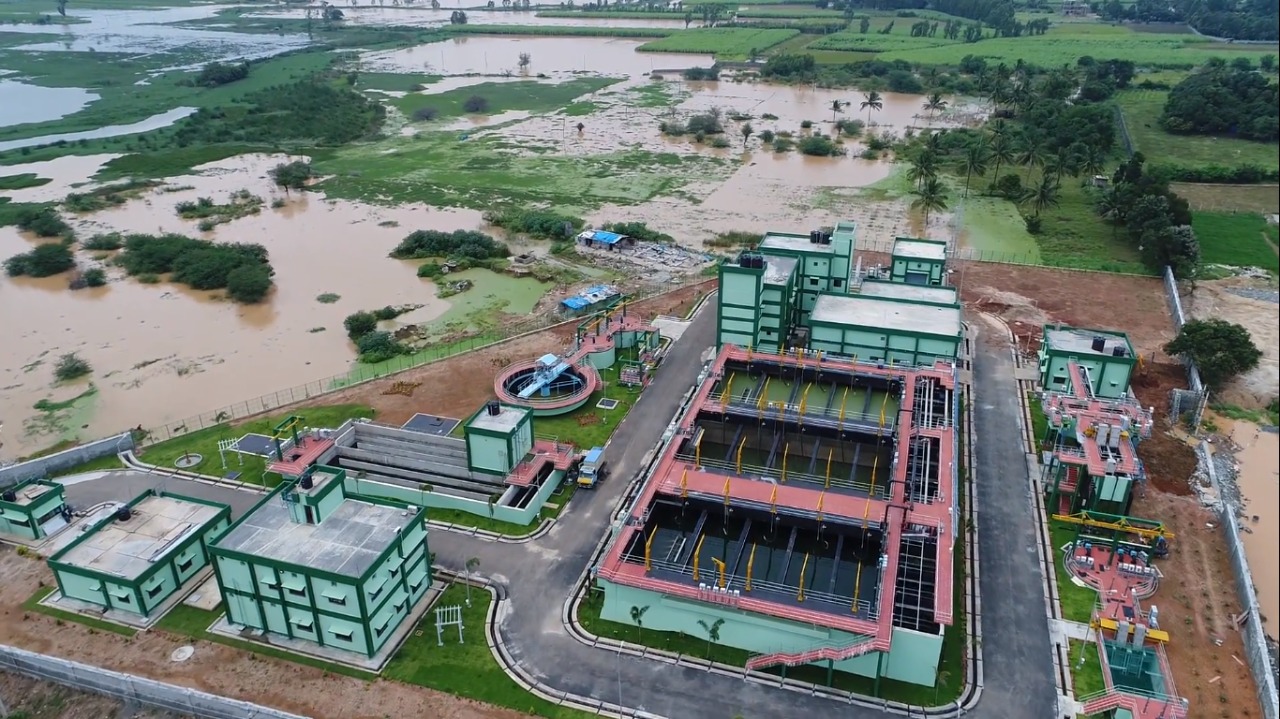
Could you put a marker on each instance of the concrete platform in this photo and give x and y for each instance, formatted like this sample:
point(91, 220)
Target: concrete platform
point(127, 619)
point(207, 596)
point(374, 664)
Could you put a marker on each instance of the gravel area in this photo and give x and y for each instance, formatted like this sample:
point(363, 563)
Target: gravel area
point(1272, 296)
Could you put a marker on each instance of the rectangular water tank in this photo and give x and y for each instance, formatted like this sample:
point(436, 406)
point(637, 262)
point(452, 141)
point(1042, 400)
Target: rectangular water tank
point(1099, 344)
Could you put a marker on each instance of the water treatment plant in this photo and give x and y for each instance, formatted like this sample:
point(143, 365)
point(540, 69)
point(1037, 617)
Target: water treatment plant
point(801, 502)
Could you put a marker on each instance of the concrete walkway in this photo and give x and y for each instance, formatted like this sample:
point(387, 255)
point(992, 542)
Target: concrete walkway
point(537, 577)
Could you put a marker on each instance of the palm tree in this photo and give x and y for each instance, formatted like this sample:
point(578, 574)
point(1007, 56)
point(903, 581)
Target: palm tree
point(935, 103)
point(871, 101)
point(924, 166)
point(712, 630)
point(1111, 208)
point(1094, 162)
point(1001, 151)
point(974, 162)
point(472, 565)
point(837, 107)
point(943, 677)
point(637, 616)
point(1031, 153)
point(1043, 196)
point(930, 198)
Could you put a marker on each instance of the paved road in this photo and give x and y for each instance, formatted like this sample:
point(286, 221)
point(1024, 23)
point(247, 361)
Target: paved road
point(123, 485)
point(538, 576)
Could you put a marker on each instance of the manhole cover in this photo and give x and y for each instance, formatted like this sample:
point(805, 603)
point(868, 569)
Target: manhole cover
point(182, 654)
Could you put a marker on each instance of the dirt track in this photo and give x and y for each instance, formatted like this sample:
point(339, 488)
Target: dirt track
point(45, 700)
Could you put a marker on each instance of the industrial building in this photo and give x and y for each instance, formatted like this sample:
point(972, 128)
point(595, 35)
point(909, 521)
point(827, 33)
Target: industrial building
point(1091, 445)
point(1106, 358)
point(804, 291)
point(317, 562)
point(806, 506)
point(33, 509)
point(134, 560)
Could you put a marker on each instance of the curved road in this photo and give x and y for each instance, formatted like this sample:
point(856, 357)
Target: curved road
point(538, 576)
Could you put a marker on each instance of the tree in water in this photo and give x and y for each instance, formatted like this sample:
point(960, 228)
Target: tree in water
point(872, 102)
point(747, 132)
point(62, 8)
point(525, 59)
point(935, 104)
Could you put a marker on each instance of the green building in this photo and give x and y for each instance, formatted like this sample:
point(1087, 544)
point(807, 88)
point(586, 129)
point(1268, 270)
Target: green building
point(33, 509)
point(499, 437)
point(314, 562)
point(937, 295)
point(824, 262)
point(1106, 356)
point(885, 330)
point(919, 262)
point(756, 301)
point(136, 559)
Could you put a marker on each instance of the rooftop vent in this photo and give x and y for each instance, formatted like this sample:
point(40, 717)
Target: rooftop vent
point(1099, 344)
point(9, 495)
point(123, 514)
point(492, 408)
point(826, 238)
point(1118, 351)
point(306, 482)
point(816, 237)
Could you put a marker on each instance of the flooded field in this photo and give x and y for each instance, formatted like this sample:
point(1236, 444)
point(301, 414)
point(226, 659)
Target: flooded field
point(21, 102)
point(494, 54)
point(426, 17)
point(1258, 462)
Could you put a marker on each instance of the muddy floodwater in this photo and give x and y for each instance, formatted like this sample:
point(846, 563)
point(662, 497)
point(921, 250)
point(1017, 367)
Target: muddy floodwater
point(162, 353)
point(487, 54)
point(1259, 480)
point(426, 17)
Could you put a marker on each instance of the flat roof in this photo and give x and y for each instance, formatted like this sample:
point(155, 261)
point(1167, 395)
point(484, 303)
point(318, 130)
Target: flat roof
point(875, 312)
point(29, 493)
point(794, 243)
point(347, 542)
point(904, 291)
point(1080, 341)
point(129, 548)
point(919, 249)
point(505, 420)
point(777, 270)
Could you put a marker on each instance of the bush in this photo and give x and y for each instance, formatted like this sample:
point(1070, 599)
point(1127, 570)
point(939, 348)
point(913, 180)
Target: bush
point(806, 124)
point(720, 142)
point(291, 175)
point(249, 283)
point(328, 298)
point(70, 366)
point(535, 223)
point(43, 222)
point(379, 347)
point(766, 136)
point(104, 242)
point(707, 123)
point(796, 67)
point(95, 277)
point(851, 128)
point(424, 114)
point(43, 261)
point(475, 104)
point(638, 230)
point(216, 73)
point(820, 146)
point(359, 324)
point(672, 128)
point(313, 110)
point(702, 73)
point(1008, 186)
point(783, 144)
point(459, 243)
point(1034, 224)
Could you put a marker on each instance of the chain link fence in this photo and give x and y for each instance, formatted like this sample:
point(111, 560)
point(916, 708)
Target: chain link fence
point(1187, 403)
point(149, 692)
point(973, 254)
point(369, 372)
point(1255, 639)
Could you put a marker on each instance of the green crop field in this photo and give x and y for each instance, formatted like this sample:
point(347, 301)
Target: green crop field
point(875, 42)
point(1234, 239)
point(1142, 109)
point(1262, 199)
point(529, 96)
point(726, 43)
point(788, 11)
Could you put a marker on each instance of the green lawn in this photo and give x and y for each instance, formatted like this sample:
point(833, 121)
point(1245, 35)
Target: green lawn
point(588, 426)
point(1234, 239)
point(1039, 422)
point(205, 442)
point(726, 43)
point(1077, 602)
point(560, 498)
point(1086, 678)
point(1142, 110)
point(467, 669)
point(33, 605)
point(192, 622)
point(530, 96)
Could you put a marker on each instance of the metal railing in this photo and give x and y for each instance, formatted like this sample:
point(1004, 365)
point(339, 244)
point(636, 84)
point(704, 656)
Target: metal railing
point(748, 471)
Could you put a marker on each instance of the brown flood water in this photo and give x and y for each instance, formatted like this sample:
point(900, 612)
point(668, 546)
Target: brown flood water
point(63, 173)
point(161, 353)
point(1259, 480)
point(551, 56)
point(426, 17)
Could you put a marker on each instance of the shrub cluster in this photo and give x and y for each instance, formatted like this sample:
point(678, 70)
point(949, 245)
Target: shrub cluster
point(638, 230)
point(242, 269)
point(456, 244)
point(43, 261)
point(372, 344)
point(535, 223)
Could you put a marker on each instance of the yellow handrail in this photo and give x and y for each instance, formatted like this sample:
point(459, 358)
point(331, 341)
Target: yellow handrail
point(684, 485)
point(821, 498)
point(843, 400)
point(697, 549)
point(883, 405)
point(764, 392)
point(697, 450)
point(741, 444)
point(773, 500)
point(857, 585)
point(830, 453)
point(648, 547)
point(728, 393)
point(726, 490)
point(751, 563)
point(786, 449)
point(803, 568)
point(866, 510)
point(719, 572)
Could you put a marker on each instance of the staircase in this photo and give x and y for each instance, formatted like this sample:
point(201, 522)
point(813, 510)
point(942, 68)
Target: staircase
point(823, 653)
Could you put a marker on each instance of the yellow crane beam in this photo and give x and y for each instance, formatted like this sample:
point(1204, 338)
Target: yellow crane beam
point(751, 563)
point(1121, 525)
point(697, 549)
point(648, 549)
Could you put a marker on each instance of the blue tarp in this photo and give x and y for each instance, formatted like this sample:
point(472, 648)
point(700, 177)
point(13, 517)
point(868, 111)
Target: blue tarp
point(576, 303)
point(601, 236)
point(589, 296)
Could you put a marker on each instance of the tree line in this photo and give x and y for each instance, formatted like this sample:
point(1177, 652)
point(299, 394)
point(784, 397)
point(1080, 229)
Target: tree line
point(1222, 99)
point(1257, 20)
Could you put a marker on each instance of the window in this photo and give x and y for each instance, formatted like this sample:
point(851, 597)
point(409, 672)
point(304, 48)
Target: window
point(345, 635)
point(185, 564)
point(379, 631)
point(122, 598)
point(396, 570)
point(373, 594)
point(340, 601)
point(296, 592)
point(305, 625)
point(399, 605)
point(813, 281)
point(415, 585)
point(154, 592)
point(837, 284)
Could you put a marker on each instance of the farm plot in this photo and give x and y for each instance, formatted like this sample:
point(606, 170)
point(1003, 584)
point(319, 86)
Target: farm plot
point(725, 42)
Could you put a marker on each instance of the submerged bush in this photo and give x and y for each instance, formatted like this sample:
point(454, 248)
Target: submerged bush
point(535, 223)
point(201, 264)
point(459, 243)
point(43, 261)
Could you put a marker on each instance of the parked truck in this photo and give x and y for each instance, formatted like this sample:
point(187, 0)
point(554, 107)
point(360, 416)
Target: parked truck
point(593, 468)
